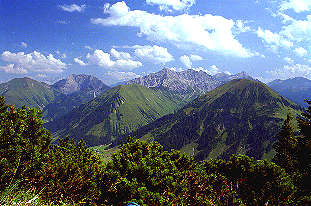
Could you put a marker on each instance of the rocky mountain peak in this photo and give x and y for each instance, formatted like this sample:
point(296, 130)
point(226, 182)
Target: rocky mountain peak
point(82, 82)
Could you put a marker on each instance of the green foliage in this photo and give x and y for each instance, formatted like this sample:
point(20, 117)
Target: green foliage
point(286, 146)
point(72, 171)
point(145, 173)
point(255, 182)
point(303, 153)
point(23, 143)
point(140, 171)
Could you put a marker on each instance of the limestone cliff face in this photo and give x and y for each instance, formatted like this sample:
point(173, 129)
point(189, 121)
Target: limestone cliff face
point(186, 81)
point(181, 82)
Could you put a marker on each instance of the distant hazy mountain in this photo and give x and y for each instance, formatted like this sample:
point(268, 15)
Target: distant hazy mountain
point(29, 92)
point(118, 111)
point(296, 89)
point(242, 116)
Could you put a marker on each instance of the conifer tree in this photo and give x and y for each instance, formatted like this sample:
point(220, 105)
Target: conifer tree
point(304, 150)
point(285, 147)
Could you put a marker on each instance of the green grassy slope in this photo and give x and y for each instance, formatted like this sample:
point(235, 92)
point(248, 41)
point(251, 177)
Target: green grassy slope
point(242, 116)
point(120, 110)
point(26, 91)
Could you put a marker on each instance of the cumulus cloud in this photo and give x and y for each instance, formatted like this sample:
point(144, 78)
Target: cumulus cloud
point(34, 61)
point(274, 40)
point(24, 44)
point(301, 51)
point(297, 5)
point(11, 69)
point(120, 55)
point(79, 61)
point(169, 5)
point(186, 61)
point(103, 59)
point(194, 57)
point(73, 7)
point(154, 54)
point(210, 32)
point(291, 71)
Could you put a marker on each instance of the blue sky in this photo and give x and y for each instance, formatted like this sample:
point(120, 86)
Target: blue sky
point(119, 40)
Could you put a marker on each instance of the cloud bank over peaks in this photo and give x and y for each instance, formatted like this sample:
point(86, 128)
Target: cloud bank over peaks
point(209, 32)
point(35, 62)
point(170, 5)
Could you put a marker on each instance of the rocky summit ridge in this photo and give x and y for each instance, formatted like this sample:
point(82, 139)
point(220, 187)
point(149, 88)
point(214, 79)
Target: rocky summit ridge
point(186, 81)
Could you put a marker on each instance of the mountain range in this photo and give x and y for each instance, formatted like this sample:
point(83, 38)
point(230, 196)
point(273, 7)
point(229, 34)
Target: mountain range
point(118, 111)
point(242, 116)
point(207, 116)
point(54, 100)
point(187, 81)
point(296, 89)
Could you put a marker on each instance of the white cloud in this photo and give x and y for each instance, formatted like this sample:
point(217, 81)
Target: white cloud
point(168, 5)
point(186, 61)
point(297, 5)
point(301, 51)
point(298, 30)
point(34, 61)
point(194, 57)
point(155, 54)
point(291, 71)
point(11, 69)
point(102, 59)
point(122, 76)
point(73, 7)
point(79, 61)
point(24, 44)
point(289, 60)
point(175, 69)
point(211, 70)
point(120, 55)
point(274, 40)
point(206, 31)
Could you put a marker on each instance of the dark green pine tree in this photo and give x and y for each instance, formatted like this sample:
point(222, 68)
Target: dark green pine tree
point(304, 150)
point(285, 147)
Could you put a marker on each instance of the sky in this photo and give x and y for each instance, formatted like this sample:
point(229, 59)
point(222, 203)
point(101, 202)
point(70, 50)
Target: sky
point(119, 40)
